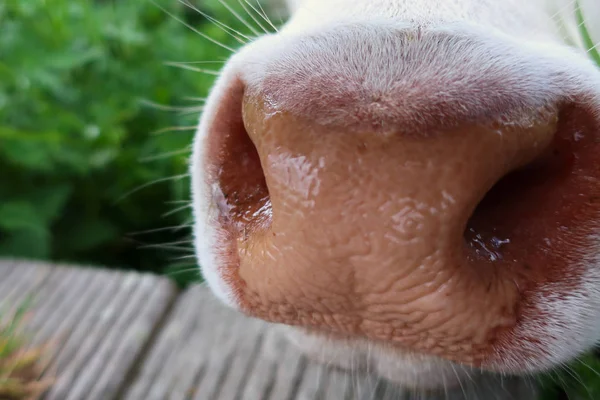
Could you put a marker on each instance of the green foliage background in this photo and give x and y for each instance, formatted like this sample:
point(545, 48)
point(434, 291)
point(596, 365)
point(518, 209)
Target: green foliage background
point(77, 134)
point(86, 162)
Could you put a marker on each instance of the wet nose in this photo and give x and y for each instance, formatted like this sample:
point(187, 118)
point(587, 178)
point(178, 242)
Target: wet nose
point(366, 231)
point(339, 191)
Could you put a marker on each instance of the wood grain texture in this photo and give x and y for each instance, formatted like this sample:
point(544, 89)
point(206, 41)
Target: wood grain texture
point(129, 336)
point(97, 321)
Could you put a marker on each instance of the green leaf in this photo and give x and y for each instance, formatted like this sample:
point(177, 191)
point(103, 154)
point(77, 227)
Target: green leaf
point(20, 215)
point(49, 201)
point(89, 234)
point(31, 243)
point(580, 380)
point(593, 50)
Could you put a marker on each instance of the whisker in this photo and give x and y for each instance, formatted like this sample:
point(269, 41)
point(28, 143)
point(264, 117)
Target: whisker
point(573, 374)
point(184, 271)
point(154, 182)
point(164, 107)
point(251, 14)
point(585, 34)
point(194, 110)
point(225, 28)
point(192, 256)
point(200, 62)
point(165, 247)
point(167, 228)
point(175, 128)
point(158, 106)
point(189, 67)
point(239, 18)
point(589, 367)
point(459, 380)
point(204, 35)
point(199, 99)
point(187, 223)
point(262, 13)
point(187, 241)
point(563, 8)
point(176, 210)
point(164, 155)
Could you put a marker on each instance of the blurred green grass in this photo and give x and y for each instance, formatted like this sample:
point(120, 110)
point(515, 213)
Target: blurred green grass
point(21, 365)
point(78, 131)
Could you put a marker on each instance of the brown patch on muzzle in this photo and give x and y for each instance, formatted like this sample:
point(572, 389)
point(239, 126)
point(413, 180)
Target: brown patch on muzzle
point(375, 234)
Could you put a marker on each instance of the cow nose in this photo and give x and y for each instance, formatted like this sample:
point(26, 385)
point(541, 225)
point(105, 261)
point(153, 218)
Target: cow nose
point(367, 231)
point(335, 190)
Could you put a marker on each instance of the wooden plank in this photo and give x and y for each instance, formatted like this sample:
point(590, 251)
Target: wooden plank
point(208, 351)
point(24, 279)
point(191, 331)
point(117, 349)
point(159, 366)
point(339, 385)
point(130, 340)
point(312, 385)
point(105, 323)
point(84, 322)
point(6, 270)
point(98, 322)
point(289, 371)
point(261, 380)
point(210, 348)
point(70, 378)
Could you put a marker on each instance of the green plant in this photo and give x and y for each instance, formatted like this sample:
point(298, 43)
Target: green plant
point(77, 133)
point(20, 366)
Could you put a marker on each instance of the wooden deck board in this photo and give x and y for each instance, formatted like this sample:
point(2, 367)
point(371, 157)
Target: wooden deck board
point(129, 336)
point(22, 282)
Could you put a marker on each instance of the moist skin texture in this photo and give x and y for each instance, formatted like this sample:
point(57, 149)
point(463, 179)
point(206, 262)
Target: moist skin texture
point(352, 180)
point(375, 233)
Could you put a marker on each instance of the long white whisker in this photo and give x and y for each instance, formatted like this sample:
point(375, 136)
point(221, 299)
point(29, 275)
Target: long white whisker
point(189, 67)
point(459, 380)
point(204, 35)
point(187, 241)
point(198, 62)
point(176, 210)
point(164, 107)
point(167, 228)
point(165, 247)
point(184, 271)
point(164, 155)
point(240, 18)
point(185, 257)
point(187, 223)
point(251, 14)
point(225, 28)
point(263, 14)
point(175, 128)
point(563, 8)
point(589, 367)
point(161, 180)
point(198, 99)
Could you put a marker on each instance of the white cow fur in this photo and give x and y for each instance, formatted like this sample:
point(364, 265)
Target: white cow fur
point(531, 28)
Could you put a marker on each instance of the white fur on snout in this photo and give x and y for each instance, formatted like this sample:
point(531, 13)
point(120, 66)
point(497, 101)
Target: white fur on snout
point(207, 237)
point(530, 30)
point(571, 323)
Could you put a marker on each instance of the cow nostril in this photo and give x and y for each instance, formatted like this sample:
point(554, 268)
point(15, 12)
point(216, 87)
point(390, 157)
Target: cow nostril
point(245, 198)
point(241, 192)
point(513, 201)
